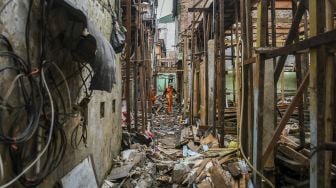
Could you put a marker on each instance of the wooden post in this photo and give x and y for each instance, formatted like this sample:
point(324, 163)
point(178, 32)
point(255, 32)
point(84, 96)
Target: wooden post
point(215, 34)
point(211, 85)
point(128, 63)
point(329, 92)
point(192, 59)
point(144, 64)
point(243, 85)
point(283, 87)
point(237, 64)
point(268, 113)
point(319, 163)
point(262, 25)
point(221, 86)
point(247, 78)
point(185, 76)
point(249, 75)
point(298, 81)
point(330, 83)
point(205, 36)
point(135, 72)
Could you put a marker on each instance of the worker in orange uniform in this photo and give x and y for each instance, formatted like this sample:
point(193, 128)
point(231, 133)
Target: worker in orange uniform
point(153, 96)
point(169, 96)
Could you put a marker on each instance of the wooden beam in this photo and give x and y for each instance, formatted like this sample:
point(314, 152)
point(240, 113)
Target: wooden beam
point(250, 61)
point(199, 10)
point(282, 4)
point(312, 42)
point(285, 118)
point(290, 38)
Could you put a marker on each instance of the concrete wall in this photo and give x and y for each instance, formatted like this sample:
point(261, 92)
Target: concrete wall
point(104, 134)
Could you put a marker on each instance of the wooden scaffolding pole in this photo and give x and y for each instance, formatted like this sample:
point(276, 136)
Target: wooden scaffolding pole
point(298, 81)
point(192, 63)
point(142, 73)
point(262, 25)
point(205, 41)
point(128, 63)
point(221, 86)
point(185, 75)
point(319, 163)
point(330, 82)
point(215, 33)
point(135, 71)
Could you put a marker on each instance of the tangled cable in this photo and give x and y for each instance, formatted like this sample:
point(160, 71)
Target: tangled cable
point(33, 108)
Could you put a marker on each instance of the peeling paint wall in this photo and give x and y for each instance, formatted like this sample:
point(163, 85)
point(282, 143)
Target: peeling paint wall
point(104, 133)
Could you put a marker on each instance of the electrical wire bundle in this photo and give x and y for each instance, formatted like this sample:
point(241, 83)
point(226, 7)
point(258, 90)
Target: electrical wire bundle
point(34, 109)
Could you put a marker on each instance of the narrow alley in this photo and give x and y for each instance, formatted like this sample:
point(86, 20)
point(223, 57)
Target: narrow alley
point(168, 93)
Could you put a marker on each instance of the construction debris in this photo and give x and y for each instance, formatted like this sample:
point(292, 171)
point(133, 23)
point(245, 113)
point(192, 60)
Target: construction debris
point(179, 156)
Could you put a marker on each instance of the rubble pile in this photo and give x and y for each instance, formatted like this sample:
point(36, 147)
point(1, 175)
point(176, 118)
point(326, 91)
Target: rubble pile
point(293, 157)
point(178, 155)
point(294, 160)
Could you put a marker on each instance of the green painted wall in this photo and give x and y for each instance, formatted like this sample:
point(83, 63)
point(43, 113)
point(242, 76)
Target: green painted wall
point(162, 82)
point(290, 83)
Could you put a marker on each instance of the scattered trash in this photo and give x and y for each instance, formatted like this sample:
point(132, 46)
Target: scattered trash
point(172, 153)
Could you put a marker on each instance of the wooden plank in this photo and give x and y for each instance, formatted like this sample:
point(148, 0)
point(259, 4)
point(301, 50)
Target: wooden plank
point(292, 154)
point(200, 169)
point(268, 149)
point(216, 175)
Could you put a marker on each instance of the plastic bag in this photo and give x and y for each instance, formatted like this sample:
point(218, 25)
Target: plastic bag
point(117, 36)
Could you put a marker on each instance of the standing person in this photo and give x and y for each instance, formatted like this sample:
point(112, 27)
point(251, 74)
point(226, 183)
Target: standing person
point(169, 96)
point(153, 96)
